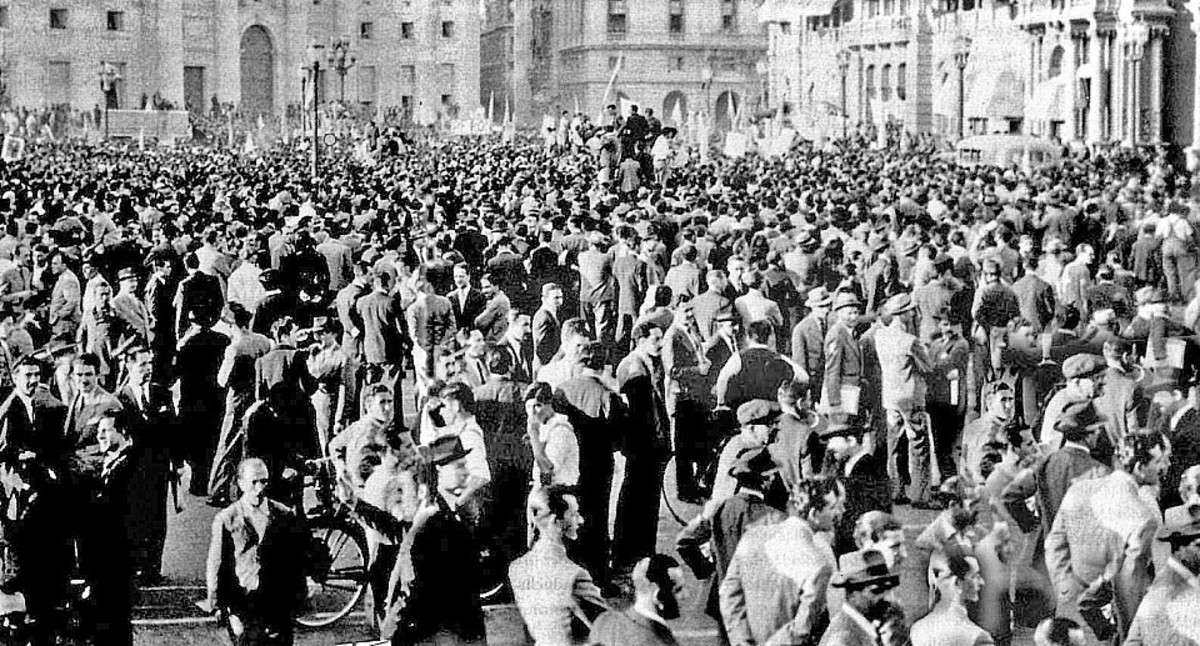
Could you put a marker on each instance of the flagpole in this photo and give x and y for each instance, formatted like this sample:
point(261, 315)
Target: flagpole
point(608, 88)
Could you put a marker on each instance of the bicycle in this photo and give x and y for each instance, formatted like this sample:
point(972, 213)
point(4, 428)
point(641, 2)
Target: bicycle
point(338, 559)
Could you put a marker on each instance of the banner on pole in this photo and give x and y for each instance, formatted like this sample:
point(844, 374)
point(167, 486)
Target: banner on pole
point(14, 149)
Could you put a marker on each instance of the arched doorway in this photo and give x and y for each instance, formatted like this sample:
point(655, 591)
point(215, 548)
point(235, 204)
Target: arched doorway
point(675, 109)
point(258, 71)
point(728, 104)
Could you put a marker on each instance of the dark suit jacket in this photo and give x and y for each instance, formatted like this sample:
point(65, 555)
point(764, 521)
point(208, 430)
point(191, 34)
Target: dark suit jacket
point(271, 308)
point(1049, 480)
point(1185, 452)
point(284, 365)
point(443, 595)
point(1035, 299)
point(647, 431)
point(464, 317)
point(546, 337)
point(235, 546)
point(42, 433)
point(201, 294)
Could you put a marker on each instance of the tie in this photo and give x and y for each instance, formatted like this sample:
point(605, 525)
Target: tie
point(479, 367)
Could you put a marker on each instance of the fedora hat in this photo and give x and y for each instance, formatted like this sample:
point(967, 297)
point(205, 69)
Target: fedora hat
point(866, 569)
point(846, 299)
point(818, 297)
point(898, 304)
point(445, 450)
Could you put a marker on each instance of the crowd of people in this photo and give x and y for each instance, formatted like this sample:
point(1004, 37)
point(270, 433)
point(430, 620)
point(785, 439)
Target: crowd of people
point(807, 348)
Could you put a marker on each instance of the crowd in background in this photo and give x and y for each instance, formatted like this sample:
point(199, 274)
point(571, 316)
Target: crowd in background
point(800, 346)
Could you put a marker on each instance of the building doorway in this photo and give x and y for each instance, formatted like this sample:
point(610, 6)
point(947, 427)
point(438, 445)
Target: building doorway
point(258, 72)
point(193, 88)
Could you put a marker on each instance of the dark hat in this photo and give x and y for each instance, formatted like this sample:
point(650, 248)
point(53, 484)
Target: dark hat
point(757, 411)
point(867, 569)
point(445, 450)
point(753, 462)
point(1082, 366)
point(1182, 532)
point(269, 278)
point(1078, 420)
point(127, 273)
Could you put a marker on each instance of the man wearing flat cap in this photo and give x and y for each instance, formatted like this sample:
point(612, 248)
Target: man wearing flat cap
point(904, 365)
point(1084, 374)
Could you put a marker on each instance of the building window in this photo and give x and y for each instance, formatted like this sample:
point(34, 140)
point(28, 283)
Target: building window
point(447, 29)
point(885, 83)
point(785, 28)
point(888, 7)
point(676, 63)
point(406, 30)
point(675, 21)
point(406, 107)
point(612, 62)
point(408, 75)
point(58, 18)
point(902, 81)
point(366, 30)
point(617, 21)
point(115, 20)
point(728, 15)
point(1082, 44)
point(870, 82)
point(3, 17)
point(1056, 60)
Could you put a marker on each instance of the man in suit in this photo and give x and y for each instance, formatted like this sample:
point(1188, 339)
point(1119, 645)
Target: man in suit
point(630, 272)
point(198, 361)
point(1099, 546)
point(1050, 477)
point(843, 355)
point(32, 420)
point(338, 258)
point(546, 335)
point(65, 299)
point(646, 445)
point(507, 270)
point(1035, 297)
point(500, 412)
point(808, 338)
point(130, 308)
point(684, 278)
point(430, 324)
point(1179, 421)
point(904, 364)
point(516, 344)
point(866, 602)
point(935, 296)
point(467, 301)
point(493, 320)
point(160, 295)
point(199, 298)
point(686, 370)
point(721, 532)
point(713, 303)
point(867, 488)
point(595, 412)
point(754, 306)
point(252, 571)
point(774, 591)
point(1083, 373)
point(151, 420)
point(657, 580)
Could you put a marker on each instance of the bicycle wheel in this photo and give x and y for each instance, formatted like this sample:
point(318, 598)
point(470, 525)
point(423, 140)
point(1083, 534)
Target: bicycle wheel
point(337, 572)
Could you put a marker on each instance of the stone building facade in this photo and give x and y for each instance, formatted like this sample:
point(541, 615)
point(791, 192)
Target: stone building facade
point(1090, 71)
point(422, 55)
point(699, 55)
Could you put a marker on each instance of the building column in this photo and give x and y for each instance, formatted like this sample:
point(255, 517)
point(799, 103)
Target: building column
point(1095, 117)
point(1154, 68)
point(1072, 94)
point(170, 42)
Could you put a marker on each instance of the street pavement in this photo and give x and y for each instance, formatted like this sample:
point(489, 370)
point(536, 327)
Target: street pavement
point(166, 615)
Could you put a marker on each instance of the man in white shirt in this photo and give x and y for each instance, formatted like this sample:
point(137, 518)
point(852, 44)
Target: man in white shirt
point(1178, 258)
